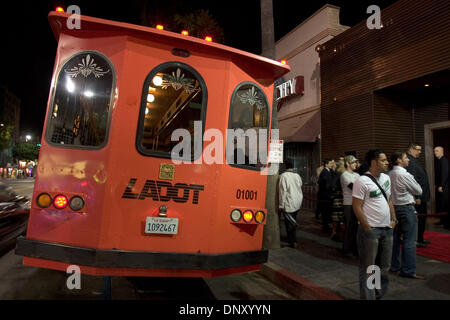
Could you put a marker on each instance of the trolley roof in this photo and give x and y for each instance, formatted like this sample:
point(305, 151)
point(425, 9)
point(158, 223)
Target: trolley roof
point(58, 22)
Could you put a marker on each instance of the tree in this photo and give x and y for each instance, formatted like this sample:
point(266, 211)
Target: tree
point(5, 135)
point(200, 24)
point(271, 237)
point(26, 151)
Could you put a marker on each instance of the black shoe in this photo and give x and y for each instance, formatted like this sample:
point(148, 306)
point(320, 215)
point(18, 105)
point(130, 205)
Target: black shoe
point(421, 245)
point(413, 276)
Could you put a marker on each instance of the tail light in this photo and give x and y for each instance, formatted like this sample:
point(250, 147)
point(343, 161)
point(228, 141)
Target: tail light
point(76, 203)
point(236, 215)
point(60, 201)
point(248, 216)
point(44, 200)
point(260, 216)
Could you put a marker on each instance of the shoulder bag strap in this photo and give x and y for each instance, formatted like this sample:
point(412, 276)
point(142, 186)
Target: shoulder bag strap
point(376, 182)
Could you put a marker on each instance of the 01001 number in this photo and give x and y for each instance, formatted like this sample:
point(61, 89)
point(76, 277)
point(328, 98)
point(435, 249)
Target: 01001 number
point(246, 194)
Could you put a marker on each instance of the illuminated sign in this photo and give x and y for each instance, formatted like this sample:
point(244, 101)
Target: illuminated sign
point(293, 87)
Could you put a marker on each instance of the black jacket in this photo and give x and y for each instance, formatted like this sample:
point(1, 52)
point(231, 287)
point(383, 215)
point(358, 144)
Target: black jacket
point(441, 173)
point(326, 186)
point(420, 175)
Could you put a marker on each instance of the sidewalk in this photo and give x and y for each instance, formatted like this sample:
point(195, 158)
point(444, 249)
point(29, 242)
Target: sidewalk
point(318, 271)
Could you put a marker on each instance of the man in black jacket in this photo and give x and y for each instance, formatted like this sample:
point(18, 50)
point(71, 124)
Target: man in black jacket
point(441, 184)
point(325, 194)
point(421, 177)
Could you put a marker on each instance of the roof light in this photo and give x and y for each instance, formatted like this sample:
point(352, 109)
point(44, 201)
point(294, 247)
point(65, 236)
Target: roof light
point(208, 38)
point(160, 27)
point(59, 9)
point(60, 201)
point(185, 33)
point(283, 61)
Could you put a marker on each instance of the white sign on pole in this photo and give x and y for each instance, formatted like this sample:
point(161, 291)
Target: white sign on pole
point(276, 151)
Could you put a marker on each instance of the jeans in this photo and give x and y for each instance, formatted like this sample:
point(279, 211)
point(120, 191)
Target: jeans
point(405, 259)
point(375, 248)
point(351, 228)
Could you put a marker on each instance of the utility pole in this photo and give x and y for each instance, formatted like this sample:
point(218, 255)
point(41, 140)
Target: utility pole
point(271, 237)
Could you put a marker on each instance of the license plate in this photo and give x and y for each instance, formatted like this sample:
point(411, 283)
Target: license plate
point(161, 225)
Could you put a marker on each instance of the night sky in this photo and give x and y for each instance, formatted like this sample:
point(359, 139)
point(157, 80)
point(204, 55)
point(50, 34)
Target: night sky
point(29, 47)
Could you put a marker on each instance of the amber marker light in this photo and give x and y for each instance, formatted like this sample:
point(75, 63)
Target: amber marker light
point(248, 216)
point(260, 216)
point(160, 27)
point(44, 200)
point(209, 39)
point(59, 9)
point(60, 201)
point(283, 61)
point(185, 33)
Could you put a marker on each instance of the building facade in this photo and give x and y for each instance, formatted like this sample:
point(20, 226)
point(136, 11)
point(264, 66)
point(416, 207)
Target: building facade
point(389, 87)
point(298, 92)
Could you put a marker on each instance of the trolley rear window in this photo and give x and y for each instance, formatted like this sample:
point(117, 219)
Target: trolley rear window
point(81, 105)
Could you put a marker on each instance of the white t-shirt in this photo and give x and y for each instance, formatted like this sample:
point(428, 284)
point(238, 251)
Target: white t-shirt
point(375, 207)
point(346, 179)
point(290, 188)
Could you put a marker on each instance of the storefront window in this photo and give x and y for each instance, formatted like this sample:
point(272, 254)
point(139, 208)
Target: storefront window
point(249, 119)
point(174, 97)
point(81, 106)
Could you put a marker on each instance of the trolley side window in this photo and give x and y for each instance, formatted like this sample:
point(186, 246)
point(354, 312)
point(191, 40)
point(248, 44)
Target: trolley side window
point(174, 97)
point(249, 120)
point(81, 106)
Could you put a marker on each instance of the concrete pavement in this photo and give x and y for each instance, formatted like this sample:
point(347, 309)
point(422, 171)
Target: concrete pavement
point(318, 271)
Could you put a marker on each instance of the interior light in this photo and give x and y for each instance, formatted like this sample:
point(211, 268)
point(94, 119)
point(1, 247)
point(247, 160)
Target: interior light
point(208, 38)
point(157, 81)
point(185, 33)
point(88, 94)
point(427, 85)
point(150, 98)
point(70, 86)
point(160, 27)
point(146, 110)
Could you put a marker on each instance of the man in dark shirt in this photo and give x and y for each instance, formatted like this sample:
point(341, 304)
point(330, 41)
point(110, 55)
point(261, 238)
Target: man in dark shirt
point(441, 184)
point(325, 194)
point(421, 177)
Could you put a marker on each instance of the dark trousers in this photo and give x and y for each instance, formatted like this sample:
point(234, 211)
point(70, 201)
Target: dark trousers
point(291, 229)
point(349, 245)
point(325, 211)
point(442, 206)
point(422, 220)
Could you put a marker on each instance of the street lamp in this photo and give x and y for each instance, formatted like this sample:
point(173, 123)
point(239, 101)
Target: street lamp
point(27, 138)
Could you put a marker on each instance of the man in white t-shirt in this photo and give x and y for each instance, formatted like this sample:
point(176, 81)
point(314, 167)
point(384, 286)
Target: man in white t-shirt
point(348, 177)
point(376, 217)
point(291, 198)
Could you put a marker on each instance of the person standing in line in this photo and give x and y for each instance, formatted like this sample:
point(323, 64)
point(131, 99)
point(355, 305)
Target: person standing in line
point(325, 193)
point(420, 175)
point(349, 246)
point(441, 183)
point(291, 198)
point(376, 217)
point(404, 188)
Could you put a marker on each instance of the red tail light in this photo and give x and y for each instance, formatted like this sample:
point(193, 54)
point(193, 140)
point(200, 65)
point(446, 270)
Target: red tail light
point(60, 201)
point(248, 216)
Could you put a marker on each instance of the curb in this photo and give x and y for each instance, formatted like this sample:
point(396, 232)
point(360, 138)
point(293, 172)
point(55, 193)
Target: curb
point(296, 285)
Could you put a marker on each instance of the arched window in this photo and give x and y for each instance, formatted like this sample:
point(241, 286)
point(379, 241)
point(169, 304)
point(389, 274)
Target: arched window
point(248, 127)
point(174, 97)
point(81, 107)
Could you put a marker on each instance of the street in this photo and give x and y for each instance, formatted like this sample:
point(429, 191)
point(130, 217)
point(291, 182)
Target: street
point(21, 282)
